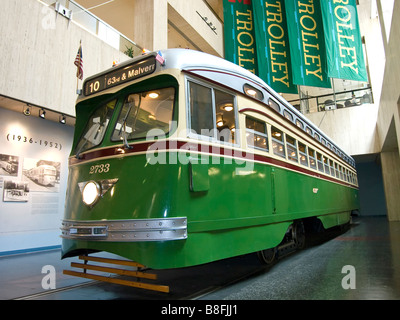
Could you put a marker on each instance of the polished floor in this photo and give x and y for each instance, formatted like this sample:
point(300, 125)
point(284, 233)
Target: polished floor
point(360, 263)
point(371, 247)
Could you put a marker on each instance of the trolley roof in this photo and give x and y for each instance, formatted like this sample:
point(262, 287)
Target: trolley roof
point(216, 69)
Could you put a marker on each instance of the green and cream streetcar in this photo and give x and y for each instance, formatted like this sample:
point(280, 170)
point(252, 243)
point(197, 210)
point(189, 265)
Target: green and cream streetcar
point(181, 158)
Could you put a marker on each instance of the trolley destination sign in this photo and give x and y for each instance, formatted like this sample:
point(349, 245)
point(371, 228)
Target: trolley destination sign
point(129, 73)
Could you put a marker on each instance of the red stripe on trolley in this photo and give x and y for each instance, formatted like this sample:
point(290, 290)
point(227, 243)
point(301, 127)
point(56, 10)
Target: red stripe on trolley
point(189, 146)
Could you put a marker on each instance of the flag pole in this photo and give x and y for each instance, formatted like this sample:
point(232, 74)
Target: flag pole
point(77, 78)
point(77, 85)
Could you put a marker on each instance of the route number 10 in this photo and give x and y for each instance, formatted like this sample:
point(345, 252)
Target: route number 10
point(94, 86)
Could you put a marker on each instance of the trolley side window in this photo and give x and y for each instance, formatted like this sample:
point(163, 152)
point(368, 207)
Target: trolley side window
point(96, 127)
point(332, 168)
point(291, 148)
point(274, 105)
point(320, 163)
point(311, 156)
point(225, 116)
point(299, 124)
point(201, 110)
point(326, 165)
point(288, 115)
point(256, 134)
point(277, 142)
point(253, 92)
point(337, 170)
point(143, 112)
point(303, 154)
point(212, 113)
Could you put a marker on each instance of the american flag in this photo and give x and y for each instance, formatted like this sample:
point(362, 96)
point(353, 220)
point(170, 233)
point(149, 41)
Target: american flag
point(79, 63)
point(160, 58)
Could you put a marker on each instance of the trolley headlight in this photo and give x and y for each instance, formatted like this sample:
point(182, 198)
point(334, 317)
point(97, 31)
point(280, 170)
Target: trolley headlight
point(91, 192)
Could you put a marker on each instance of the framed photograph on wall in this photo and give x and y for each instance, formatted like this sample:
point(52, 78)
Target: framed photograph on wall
point(15, 191)
point(42, 175)
point(9, 165)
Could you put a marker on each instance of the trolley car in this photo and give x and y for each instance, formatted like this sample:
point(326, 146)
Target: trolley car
point(43, 174)
point(182, 158)
point(9, 166)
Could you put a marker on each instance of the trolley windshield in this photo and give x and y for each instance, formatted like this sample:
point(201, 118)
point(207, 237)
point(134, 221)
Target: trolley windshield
point(143, 112)
point(96, 127)
point(49, 171)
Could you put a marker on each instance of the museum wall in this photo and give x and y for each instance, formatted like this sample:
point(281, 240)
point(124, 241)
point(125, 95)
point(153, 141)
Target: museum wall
point(31, 200)
point(354, 129)
point(389, 108)
point(38, 49)
point(388, 125)
point(160, 23)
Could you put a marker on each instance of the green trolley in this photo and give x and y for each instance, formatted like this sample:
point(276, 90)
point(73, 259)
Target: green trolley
point(181, 158)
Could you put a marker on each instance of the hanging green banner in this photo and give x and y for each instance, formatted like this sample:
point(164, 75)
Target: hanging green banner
point(307, 46)
point(343, 41)
point(240, 47)
point(273, 54)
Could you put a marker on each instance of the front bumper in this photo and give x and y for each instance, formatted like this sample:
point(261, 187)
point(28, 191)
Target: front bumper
point(133, 230)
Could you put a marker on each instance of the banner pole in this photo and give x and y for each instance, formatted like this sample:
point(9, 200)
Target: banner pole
point(334, 93)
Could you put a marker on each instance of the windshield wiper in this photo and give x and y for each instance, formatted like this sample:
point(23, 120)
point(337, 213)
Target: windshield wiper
point(123, 126)
point(80, 149)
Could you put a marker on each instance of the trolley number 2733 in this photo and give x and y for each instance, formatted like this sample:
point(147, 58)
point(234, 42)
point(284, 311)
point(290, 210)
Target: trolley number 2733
point(99, 168)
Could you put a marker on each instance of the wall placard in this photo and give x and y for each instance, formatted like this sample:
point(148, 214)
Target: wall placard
point(33, 178)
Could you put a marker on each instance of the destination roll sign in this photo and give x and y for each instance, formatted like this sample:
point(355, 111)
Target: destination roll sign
point(129, 73)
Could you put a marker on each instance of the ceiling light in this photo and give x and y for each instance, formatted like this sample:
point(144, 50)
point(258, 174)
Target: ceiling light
point(220, 120)
point(228, 107)
point(276, 134)
point(153, 95)
point(62, 119)
point(251, 92)
point(27, 110)
point(42, 114)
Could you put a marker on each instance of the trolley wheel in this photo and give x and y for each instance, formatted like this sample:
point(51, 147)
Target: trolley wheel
point(267, 256)
point(299, 234)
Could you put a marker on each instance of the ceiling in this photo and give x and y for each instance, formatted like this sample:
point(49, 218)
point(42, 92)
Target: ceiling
point(19, 106)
